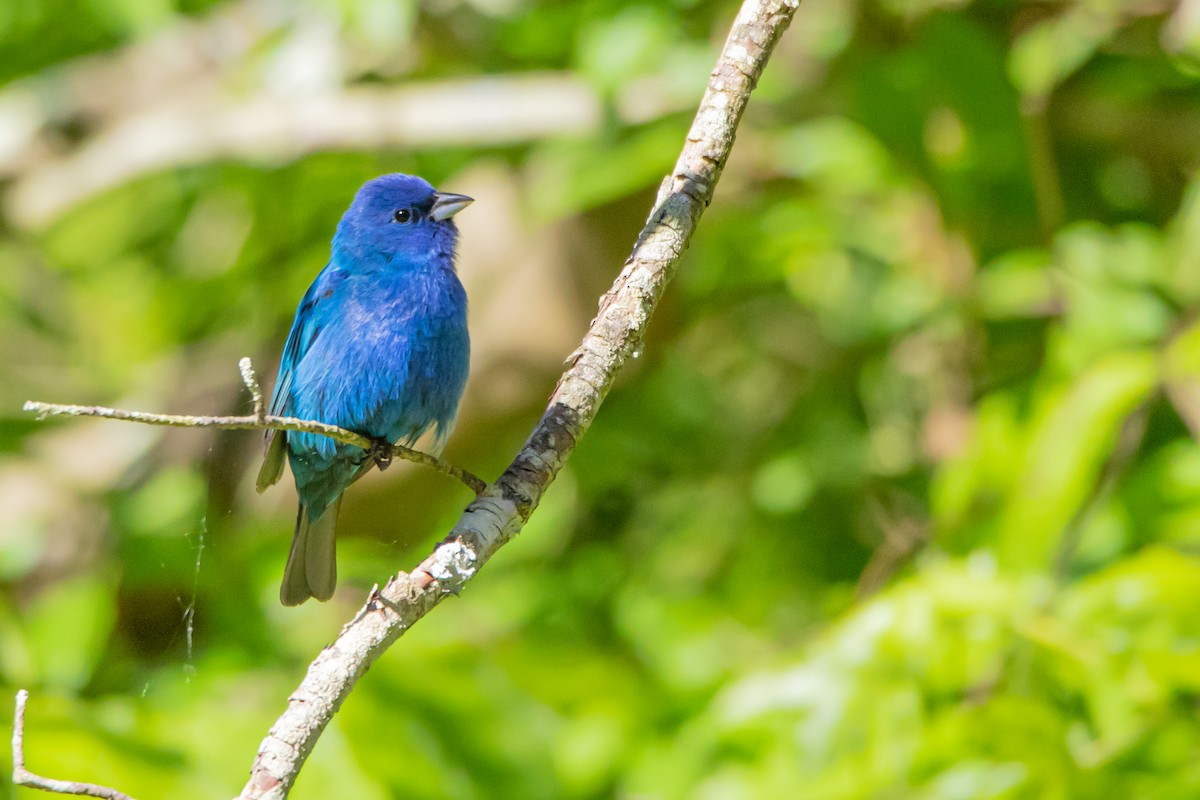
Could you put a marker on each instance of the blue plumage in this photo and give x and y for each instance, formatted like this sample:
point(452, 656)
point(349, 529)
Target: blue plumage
point(379, 346)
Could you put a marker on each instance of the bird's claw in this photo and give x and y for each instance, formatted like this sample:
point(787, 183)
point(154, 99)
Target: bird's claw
point(380, 453)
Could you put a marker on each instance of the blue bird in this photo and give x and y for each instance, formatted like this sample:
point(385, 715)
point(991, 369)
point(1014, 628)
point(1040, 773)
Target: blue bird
point(379, 346)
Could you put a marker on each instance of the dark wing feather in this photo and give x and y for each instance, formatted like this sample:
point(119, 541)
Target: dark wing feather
point(300, 338)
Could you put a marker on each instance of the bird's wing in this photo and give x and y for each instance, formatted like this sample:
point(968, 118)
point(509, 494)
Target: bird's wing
point(305, 328)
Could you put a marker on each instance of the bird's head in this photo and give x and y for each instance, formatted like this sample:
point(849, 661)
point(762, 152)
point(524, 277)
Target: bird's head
point(401, 219)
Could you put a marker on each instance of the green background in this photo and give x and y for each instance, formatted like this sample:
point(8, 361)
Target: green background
point(901, 500)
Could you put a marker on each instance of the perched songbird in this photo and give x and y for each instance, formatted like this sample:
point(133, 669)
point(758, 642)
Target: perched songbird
point(379, 346)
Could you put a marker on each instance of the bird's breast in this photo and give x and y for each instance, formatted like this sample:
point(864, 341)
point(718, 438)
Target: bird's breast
point(399, 352)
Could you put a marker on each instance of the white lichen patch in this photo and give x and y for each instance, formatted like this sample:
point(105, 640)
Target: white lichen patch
point(453, 562)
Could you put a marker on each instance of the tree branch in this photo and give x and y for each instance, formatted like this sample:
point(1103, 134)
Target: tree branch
point(498, 515)
point(260, 421)
point(208, 126)
point(23, 777)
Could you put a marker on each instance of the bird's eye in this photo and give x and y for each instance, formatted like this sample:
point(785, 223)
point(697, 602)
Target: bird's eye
point(402, 216)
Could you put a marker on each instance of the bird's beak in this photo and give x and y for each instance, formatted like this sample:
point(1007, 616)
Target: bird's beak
point(446, 205)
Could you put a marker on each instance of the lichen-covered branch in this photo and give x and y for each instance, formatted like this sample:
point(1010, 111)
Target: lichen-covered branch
point(23, 777)
point(497, 515)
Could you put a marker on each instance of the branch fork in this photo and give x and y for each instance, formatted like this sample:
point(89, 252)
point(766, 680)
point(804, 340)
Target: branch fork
point(23, 777)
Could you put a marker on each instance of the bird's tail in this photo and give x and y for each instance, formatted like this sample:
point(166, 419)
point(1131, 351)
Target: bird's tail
point(311, 569)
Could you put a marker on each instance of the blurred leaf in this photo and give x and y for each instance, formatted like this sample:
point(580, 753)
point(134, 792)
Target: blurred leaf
point(1051, 50)
point(1070, 439)
point(68, 626)
point(631, 42)
point(1019, 284)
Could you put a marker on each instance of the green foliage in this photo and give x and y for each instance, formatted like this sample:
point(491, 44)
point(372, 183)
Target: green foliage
point(901, 500)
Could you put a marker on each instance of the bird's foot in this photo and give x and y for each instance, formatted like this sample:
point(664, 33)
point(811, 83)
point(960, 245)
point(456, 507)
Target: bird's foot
point(380, 452)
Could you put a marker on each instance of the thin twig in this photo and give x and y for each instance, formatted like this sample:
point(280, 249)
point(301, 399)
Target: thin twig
point(904, 532)
point(1129, 441)
point(253, 423)
point(23, 777)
